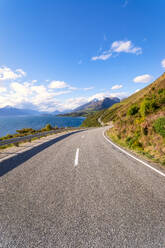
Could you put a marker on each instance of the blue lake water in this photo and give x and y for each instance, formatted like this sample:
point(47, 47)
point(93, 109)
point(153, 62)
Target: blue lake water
point(9, 124)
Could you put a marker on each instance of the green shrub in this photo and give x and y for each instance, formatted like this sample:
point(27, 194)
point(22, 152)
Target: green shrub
point(161, 98)
point(128, 140)
point(48, 127)
point(144, 108)
point(133, 110)
point(148, 106)
point(133, 142)
point(25, 131)
point(8, 136)
point(119, 136)
point(159, 126)
point(160, 91)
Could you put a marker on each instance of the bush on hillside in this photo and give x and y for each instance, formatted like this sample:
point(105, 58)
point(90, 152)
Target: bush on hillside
point(148, 106)
point(133, 110)
point(160, 91)
point(133, 142)
point(48, 127)
point(25, 130)
point(91, 121)
point(159, 126)
point(161, 98)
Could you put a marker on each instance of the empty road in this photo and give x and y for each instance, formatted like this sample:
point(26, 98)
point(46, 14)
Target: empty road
point(80, 191)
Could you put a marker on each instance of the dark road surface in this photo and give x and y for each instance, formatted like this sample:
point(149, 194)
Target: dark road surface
point(80, 192)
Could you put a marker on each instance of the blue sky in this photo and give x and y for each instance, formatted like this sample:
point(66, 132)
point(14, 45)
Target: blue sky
point(59, 54)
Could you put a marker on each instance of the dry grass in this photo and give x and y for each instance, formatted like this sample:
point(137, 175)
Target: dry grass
point(134, 128)
point(136, 131)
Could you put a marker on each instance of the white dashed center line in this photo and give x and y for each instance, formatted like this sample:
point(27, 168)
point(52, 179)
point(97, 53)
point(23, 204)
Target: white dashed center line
point(76, 157)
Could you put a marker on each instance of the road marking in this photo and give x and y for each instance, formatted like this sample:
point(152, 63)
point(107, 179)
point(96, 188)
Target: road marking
point(137, 159)
point(76, 157)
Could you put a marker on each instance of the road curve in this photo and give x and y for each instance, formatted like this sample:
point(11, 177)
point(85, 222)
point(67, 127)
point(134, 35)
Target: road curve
point(80, 192)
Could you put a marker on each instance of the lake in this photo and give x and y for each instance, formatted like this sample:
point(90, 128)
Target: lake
point(9, 124)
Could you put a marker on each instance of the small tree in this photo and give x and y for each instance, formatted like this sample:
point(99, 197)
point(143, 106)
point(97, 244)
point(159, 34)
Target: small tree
point(133, 110)
point(159, 126)
point(48, 127)
point(148, 106)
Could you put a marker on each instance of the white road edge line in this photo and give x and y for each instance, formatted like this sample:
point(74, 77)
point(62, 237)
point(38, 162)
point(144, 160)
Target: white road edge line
point(139, 160)
point(76, 157)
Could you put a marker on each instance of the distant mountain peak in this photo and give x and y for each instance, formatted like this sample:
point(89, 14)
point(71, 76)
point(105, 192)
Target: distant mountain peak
point(95, 100)
point(8, 107)
point(12, 111)
point(97, 104)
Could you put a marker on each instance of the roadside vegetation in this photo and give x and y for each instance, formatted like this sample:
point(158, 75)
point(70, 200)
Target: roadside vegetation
point(25, 132)
point(92, 120)
point(139, 121)
point(28, 131)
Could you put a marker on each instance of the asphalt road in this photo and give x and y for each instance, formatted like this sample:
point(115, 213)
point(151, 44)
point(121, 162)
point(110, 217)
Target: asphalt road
point(80, 191)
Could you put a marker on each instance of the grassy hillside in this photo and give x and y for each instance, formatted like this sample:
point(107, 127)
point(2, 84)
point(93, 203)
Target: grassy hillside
point(92, 119)
point(139, 121)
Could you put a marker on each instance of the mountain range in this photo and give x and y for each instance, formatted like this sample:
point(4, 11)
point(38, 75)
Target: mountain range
point(96, 104)
point(93, 106)
point(89, 107)
point(11, 111)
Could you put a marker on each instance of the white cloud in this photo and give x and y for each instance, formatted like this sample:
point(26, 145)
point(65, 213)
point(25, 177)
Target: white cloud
point(99, 96)
point(31, 95)
point(143, 78)
point(102, 95)
point(73, 103)
point(120, 94)
point(34, 81)
point(21, 73)
point(126, 47)
point(22, 90)
point(137, 90)
point(88, 88)
point(58, 85)
point(118, 47)
point(163, 63)
point(3, 89)
point(102, 57)
point(43, 97)
point(7, 74)
point(59, 93)
point(72, 88)
point(34, 96)
point(40, 97)
point(117, 86)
